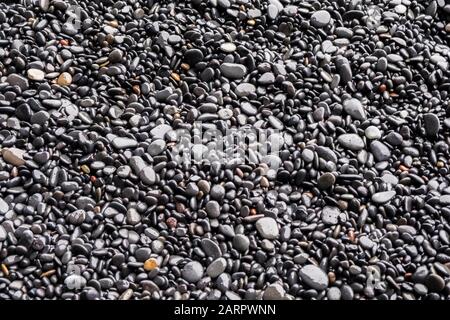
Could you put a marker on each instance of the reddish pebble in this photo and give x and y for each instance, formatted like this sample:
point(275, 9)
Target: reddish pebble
point(171, 222)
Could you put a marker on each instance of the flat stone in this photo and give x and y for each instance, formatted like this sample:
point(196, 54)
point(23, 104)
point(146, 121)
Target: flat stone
point(13, 156)
point(326, 180)
point(274, 291)
point(241, 242)
point(156, 147)
point(272, 11)
point(3, 234)
point(314, 277)
point(372, 133)
point(266, 78)
point(233, 70)
point(431, 123)
point(18, 80)
point(193, 56)
point(380, 151)
point(320, 19)
point(351, 141)
point(245, 89)
point(124, 143)
point(330, 215)
point(160, 131)
point(35, 74)
point(192, 272)
point(4, 207)
point(216, 267)
point(383, 197)
point(355, 109)
point(211, 248)
point(228, 47)
point(213, 209)
point(267, 228)
point(40, 117)
point(133, 216)
point(148, 175)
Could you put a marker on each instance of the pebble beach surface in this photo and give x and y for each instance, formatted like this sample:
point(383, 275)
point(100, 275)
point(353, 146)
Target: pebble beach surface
point(354, 203)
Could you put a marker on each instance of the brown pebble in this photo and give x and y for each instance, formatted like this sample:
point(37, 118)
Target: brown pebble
point(175, 76)
point(150, 264)
point(264, 182)
point(48, 273)
point(447, 27)
point(185, 66)
point(331, 277)
point(137, 89)
point(5, 270)
point(113, 23)
point(64, 79)
point(382, 88)
point(171, 222)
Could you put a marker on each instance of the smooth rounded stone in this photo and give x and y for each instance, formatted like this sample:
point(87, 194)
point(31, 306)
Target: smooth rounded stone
point(248, 109)
point(308, 155)
point(330, 215)
point(407, 229)
point(351, 141)
point(17, 80)
point(334, 293)
point(380, 151)
point(192, 272)
point(74, 281)
point(326, 180)
point(160, 131)
point(435, 283)
point(274, 291)
point(241, 243)
point(216, 268)
point(211, 248)
point(267, 228)
point(354, 108)
point(124, 143)
point(276, 123)
point(314, 277)
point(344, 69)
point(217, 192)
point(383, 197)
point(394, 138)
point(366, 243)
point(431, 124)
point(444, 199)
point(272, 11)
point(193, 56)
point(133, 216)
point(4, 207)
point(13, 156)
point(228, 47)
point(35, 74)
point(156, 147)
point(225, 114)
point(372, 133)
point(245, 89)
point(3, 233)
point(115, 56)
point(40, 117)
point(213, 209)
point(320, 19)
point(266, 78)
point(148, 175)
point(233, 70)
point(64, 79)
